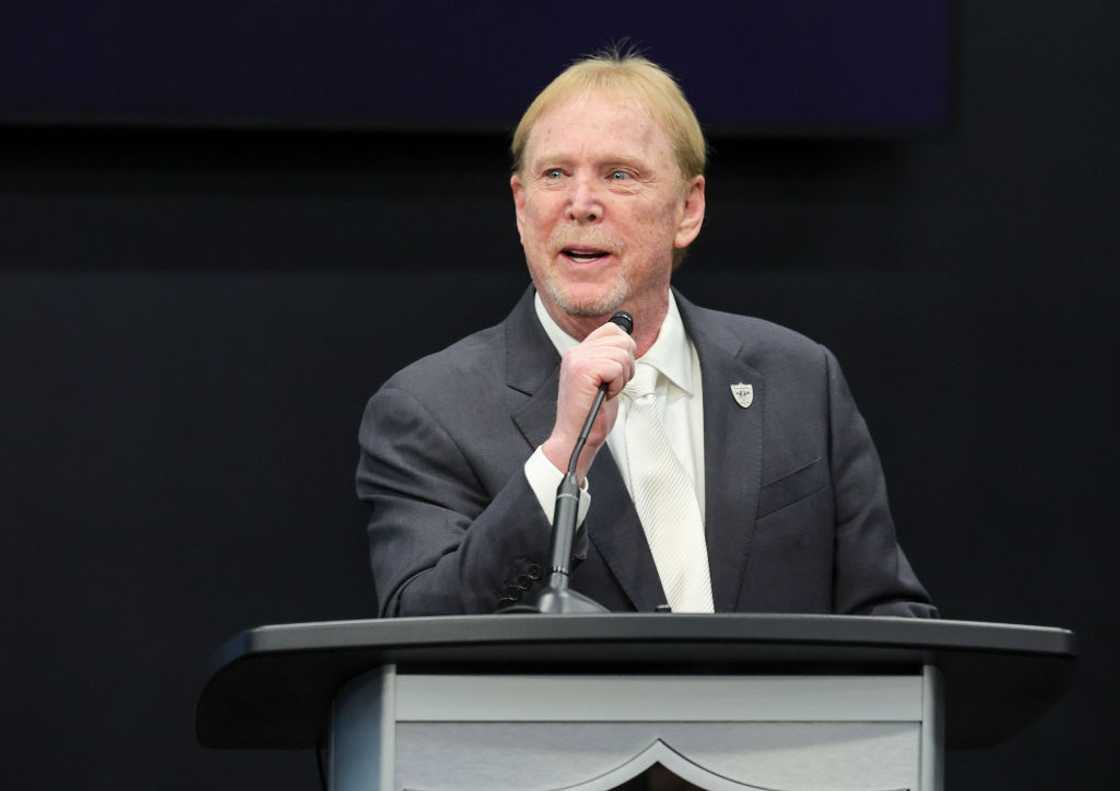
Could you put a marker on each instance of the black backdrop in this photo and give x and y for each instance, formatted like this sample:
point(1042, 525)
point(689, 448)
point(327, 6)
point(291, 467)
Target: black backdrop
point(190, 324)
point(809, 65)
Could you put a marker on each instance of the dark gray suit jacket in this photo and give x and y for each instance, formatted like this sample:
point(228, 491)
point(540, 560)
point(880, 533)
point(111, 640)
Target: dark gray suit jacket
point(796, 515)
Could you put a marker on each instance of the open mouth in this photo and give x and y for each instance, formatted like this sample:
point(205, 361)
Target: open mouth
point(583, 255)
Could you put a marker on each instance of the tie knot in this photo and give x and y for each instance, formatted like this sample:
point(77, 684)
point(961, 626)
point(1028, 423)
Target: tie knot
point(644, 382)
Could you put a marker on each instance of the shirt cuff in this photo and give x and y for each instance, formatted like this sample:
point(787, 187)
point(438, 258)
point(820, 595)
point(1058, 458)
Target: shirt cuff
point(544, 479)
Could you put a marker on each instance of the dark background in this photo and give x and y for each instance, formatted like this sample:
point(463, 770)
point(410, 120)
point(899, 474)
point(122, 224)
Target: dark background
point(878, 66)
point(190, 323)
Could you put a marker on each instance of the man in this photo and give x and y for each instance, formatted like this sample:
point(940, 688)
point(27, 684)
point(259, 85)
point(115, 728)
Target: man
point(737, 475)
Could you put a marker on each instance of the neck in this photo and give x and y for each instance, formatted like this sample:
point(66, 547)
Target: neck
point(648, 315)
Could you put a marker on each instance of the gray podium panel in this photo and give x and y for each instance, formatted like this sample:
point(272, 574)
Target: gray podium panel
point(672, 698)
point(438, 732)
point(362, 747)
point(600, 756)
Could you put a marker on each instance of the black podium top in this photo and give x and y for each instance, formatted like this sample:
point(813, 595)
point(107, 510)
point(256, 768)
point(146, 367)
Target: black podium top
point(271, 687)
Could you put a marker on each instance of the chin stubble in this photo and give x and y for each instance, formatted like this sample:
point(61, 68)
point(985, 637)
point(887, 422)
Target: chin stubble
point(606, 303)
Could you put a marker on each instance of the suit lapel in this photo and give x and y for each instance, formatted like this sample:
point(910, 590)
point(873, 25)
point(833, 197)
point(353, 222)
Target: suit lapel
point(532, 364)
point(533, 370)
point(732, 450)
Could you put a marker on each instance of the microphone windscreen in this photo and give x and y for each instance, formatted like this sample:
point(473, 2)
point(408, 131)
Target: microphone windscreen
point(624, 320)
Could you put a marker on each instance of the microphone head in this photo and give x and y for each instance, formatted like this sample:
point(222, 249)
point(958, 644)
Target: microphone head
point(624, 320)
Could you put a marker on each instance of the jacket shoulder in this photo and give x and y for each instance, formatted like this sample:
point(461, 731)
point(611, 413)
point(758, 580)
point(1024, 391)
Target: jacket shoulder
point(767, 345)
point(462, 366)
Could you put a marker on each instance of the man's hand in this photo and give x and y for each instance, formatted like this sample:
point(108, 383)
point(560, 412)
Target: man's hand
point(606, 356)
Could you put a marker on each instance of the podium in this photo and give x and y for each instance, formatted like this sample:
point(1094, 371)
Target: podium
point(588, 702)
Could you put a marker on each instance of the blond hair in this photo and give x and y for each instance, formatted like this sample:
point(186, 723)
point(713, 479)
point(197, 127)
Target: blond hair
point(629, 73)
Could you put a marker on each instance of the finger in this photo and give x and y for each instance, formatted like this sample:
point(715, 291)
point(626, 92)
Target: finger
point(610, 328)
point(621, 360)
point(616, 373)
point(595, 349)
point(609, 333)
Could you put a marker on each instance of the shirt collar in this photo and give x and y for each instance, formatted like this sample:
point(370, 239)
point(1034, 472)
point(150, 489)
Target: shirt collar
point(671, 353)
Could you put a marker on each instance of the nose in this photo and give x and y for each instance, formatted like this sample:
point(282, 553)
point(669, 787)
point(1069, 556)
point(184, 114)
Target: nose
point(584, 202)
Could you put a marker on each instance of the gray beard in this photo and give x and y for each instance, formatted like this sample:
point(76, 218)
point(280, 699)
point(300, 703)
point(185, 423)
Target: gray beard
point(605, 305)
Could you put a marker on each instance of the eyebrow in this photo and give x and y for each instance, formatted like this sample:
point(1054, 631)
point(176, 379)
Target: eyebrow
point(602, 162)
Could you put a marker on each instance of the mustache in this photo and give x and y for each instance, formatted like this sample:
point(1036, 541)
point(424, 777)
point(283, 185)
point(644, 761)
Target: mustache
point(594, 239)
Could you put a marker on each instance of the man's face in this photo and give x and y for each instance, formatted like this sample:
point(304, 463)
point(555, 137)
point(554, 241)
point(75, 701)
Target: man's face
point(601, 205)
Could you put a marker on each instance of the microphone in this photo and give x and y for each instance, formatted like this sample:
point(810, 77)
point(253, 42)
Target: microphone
point(556, 597)
point(624, 320)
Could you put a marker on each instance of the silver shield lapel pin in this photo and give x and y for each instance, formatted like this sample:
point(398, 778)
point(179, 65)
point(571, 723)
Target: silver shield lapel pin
point(743, 394)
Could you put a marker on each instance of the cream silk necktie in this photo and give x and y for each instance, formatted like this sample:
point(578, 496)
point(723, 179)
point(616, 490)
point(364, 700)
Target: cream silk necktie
point(665, 499)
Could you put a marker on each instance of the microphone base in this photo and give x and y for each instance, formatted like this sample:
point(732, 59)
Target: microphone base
point(564, 601)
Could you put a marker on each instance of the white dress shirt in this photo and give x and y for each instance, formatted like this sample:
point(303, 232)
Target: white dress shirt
point(676, 359)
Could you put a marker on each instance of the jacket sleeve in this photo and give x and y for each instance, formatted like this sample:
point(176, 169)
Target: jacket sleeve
point(872, 575)
point(440, 542)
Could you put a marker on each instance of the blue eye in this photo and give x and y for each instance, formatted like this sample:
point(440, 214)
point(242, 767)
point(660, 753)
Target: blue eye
point(553, 173)
point(619, 175)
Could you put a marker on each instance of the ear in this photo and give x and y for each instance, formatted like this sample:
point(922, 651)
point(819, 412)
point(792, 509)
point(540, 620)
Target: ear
point(518, 190)
point(692, 215)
